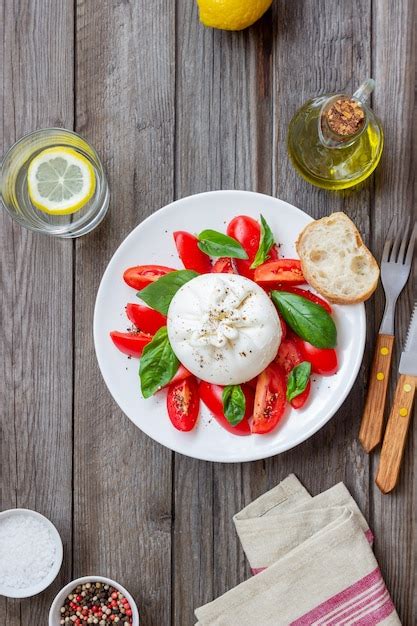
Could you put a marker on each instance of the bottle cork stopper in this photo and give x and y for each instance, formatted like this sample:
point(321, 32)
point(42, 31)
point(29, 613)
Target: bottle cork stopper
point(345, 116)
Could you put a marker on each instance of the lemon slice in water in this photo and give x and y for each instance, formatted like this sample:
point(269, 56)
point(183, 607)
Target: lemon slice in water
point(60, 181)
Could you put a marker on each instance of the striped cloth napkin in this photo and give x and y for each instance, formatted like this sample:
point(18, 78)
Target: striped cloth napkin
point(313, 562)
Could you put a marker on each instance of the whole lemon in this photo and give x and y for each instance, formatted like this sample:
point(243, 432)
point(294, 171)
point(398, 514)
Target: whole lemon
point(231, 14)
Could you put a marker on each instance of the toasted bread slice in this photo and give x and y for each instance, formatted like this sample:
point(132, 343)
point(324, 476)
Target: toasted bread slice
point(335, 260)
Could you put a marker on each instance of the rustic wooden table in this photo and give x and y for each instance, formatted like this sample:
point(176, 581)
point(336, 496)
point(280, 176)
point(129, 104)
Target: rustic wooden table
point(173, 109)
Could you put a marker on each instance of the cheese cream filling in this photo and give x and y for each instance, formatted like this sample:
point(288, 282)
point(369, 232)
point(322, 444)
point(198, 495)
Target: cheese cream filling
point(223, 328)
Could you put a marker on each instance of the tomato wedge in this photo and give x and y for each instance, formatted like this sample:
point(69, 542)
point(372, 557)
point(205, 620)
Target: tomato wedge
point(284, 329)
point(309, 296)
point(183, 403)
point(247, 232)
point(130, 343)
point(252, 383)
point(280, 272)
point(182, 374)
point(323, 360)
point(288, 355)
point(270, 400)
point(211, 395)
point(224, 265)
point(299, 401)
point(190, 254)
point(140, 276)
point(148, 320)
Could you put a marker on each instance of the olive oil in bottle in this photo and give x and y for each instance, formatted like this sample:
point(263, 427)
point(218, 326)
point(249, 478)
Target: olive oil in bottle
point(336, 141)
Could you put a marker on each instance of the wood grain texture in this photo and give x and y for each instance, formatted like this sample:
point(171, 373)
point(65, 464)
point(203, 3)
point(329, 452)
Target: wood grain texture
point(36, 345)
point(122, 479)
point(395, 437)
point(198, 167)
point(223, 141)
point(371, 430)
point(394, 63)
point(330, 43)
point(174, 108)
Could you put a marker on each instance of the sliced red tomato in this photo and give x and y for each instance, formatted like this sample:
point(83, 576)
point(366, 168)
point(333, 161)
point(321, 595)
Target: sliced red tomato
point(140, 276)
point(280, 272)
point(270, 399)
point(247, 232)
point(252, 383)
point(182, 374)
point(288, 355)
point(323, 360)
point(183, 403)
point(284, 329)
point(243, 268)
point(224, 265)
point(190, 254)
point(309, 296)
point(144, 318)
point(273, 253)
point(300, 400)
point(211, 395)
point(130, 343)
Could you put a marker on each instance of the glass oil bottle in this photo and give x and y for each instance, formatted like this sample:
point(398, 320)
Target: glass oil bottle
point(336, 141)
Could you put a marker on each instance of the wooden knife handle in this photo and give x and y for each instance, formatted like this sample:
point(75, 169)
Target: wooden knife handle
point(396, 434)
point(370, 433)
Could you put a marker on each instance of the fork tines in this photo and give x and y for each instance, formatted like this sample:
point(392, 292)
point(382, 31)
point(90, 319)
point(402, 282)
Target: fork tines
point(395, 248)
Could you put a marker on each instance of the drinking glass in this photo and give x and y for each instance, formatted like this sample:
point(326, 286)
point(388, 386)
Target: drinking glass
point(14, 185)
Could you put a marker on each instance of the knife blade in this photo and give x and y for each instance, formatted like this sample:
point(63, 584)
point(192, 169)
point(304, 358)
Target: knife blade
point(408, 361)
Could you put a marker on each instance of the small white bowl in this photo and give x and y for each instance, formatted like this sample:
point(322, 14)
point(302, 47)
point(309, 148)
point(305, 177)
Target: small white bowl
point(27, 592)
point(55, 610)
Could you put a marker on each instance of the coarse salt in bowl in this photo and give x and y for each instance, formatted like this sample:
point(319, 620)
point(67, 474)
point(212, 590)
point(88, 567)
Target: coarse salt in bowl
point(55, 610)
point(30, 553)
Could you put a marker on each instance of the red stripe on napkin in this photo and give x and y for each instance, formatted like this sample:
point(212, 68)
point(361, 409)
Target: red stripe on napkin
point(257, 570)
point(367, 601)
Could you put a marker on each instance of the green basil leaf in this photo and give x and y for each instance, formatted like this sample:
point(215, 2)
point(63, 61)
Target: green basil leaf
point(298, 379)
point(217, 244)
point(234, 404)
point(307, 319)
point(158, 364)
point(265, 244)
point(158, 295)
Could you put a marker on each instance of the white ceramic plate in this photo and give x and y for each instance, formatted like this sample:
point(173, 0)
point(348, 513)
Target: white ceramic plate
point(152, 243)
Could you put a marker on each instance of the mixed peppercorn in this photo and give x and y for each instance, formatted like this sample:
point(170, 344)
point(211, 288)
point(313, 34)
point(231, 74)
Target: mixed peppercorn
point(96, 603)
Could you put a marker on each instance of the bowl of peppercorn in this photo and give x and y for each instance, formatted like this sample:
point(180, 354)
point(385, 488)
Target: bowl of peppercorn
point(93, 600)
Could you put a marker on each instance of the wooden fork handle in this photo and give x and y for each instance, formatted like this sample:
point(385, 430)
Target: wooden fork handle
point(370, 433)
point(396, 434)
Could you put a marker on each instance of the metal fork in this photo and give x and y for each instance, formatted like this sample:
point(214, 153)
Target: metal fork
point(395, 270)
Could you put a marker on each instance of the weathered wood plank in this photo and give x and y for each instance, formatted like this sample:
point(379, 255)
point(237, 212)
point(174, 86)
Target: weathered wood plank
point(223, 140)
point(321, 47)
point(36, 294)
point(395, 63)
point(122, 480)
point(197, 168)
